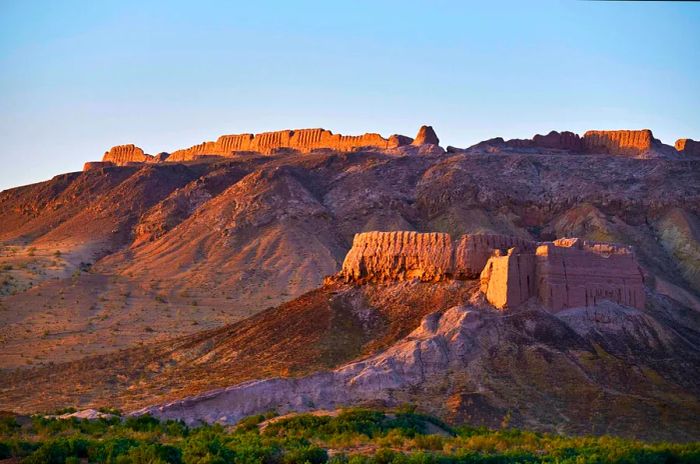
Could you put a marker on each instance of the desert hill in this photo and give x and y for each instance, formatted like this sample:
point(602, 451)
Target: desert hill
point(145, 279)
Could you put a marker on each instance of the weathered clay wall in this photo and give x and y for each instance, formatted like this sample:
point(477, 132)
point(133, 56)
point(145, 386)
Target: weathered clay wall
point(90, 165)
point(566, 273)
point(688, 147)
point(387, 256)
point(473, 251)
point(122, 154)
point(509, 280)
point(583, 274)
point(303, 140)
point(559, 140)
point(618, 142)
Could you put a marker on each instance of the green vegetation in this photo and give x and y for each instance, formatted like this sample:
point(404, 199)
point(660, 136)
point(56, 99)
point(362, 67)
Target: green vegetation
point(354, 436)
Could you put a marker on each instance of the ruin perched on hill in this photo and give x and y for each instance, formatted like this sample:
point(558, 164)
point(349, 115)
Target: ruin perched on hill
point(565, 273)
point(626, 143)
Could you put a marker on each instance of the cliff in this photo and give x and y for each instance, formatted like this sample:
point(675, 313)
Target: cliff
point(302, 140)
point(123, 154)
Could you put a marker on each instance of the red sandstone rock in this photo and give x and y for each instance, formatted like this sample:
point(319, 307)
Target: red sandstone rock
point(426, 135)
point(688, 147)
point(618, 142)
point(90, 165)
point(122, 154)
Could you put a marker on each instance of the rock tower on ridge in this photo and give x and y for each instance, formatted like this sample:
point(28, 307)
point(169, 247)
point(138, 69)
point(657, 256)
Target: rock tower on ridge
point(426, 135)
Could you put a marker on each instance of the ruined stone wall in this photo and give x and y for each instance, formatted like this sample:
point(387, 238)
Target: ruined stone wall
point(122, 154)
point(509, 280)
point(474, 250)
point(303, 140)
point(387, 256)
point(90, 165)
point(566, 273)
point(618, 142)
point(559, 141)
point(584, 273)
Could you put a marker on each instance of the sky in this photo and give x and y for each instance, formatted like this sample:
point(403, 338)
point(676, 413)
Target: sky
point(77, 77)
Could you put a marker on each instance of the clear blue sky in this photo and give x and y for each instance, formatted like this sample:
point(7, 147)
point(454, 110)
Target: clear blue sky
point(79, 77)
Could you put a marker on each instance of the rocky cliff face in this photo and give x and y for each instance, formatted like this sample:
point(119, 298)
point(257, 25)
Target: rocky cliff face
point(121, 155)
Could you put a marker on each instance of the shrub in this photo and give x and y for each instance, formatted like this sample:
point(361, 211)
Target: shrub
point(5, 451)
point(311, 454)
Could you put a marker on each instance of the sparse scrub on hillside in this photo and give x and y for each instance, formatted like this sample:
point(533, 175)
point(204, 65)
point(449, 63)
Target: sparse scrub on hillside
point(352, 436)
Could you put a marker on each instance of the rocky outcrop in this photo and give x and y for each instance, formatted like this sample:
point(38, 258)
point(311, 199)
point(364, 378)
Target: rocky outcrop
point(566, 273)
point(688, 147)
point(619, 142)
point(301, 140)
point(123, 154)
point(91, 165)
point(426, 135)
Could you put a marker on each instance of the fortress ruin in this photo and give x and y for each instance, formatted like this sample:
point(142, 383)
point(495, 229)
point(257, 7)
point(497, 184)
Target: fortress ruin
point(565, 273)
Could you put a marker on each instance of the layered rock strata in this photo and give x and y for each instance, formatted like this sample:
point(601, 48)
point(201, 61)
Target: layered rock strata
point(566, 273)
